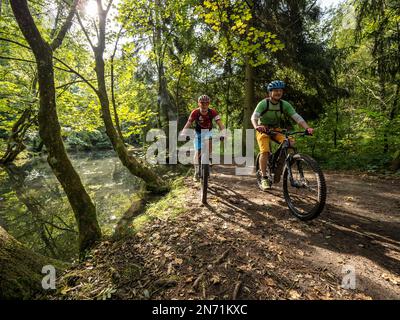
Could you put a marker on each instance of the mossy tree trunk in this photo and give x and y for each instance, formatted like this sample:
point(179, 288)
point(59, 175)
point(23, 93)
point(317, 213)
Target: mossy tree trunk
point(21, 269)
point(49, 126)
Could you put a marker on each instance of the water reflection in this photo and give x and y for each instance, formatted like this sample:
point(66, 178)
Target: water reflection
point(35, 209)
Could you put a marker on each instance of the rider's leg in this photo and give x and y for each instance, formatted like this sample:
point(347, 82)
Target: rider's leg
point(196, 157)
point(279, 138)
point(210, 149)
point(196, 164)
point(263, 144)
point(197, 147)
point(263, 163)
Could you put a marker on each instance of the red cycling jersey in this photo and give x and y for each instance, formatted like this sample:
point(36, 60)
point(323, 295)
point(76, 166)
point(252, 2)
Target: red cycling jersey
point(203, 121)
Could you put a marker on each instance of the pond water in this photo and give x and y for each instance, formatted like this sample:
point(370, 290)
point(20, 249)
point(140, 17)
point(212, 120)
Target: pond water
point(35, 210)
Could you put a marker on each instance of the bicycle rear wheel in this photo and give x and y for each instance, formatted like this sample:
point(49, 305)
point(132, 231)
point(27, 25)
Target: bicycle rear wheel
point(205, 172)
point(305, 189)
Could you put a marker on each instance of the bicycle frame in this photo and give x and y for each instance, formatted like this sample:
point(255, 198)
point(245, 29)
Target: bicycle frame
point(283, 151)
point(202, 159)
point(204, 170)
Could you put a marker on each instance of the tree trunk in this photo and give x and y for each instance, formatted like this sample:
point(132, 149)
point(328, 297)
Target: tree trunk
point(249, 96)
point(382, 92)
point(154, 183)
point(15, 142)
point(50, 131)
point(114, 104)
point(395, 164)
point(335, 130)
point(168, 109)
point(21, 269)
point(249, 99)
point(228, 75)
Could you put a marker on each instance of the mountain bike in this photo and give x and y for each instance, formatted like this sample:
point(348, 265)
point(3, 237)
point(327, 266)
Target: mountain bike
point(304, 186)
point(204, 170)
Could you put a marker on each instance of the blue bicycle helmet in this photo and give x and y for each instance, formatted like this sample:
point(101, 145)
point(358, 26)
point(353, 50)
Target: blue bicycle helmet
point(277, 84)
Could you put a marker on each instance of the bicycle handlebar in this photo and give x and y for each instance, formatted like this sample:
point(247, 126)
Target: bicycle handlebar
point(287, 133)
point(220, 138)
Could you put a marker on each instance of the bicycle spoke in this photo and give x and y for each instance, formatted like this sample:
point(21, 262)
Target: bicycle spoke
point(302, 192)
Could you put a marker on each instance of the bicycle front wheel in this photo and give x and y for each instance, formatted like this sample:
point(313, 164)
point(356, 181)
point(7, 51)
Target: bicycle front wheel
point(304, 187)
point(205, 168)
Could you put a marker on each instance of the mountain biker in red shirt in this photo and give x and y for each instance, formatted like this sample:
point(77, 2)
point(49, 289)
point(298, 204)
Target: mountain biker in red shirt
point(202, 117)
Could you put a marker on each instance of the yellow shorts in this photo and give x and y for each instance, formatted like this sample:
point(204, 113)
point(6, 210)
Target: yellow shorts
point(264, 140)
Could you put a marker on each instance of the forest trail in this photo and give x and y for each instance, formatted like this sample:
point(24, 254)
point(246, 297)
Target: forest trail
point(246, 245)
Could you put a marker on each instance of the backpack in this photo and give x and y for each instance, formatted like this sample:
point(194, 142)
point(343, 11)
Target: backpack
point(198, 128)
point(283, 121)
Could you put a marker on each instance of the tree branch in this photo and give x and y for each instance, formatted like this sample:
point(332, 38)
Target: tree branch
point(66, 26)
point(17, 59)
point(77, 73)
point(95, 28)
point(85, 32)
point(371, 91)
point(30, 61)
point(16, 42)
point(109, 6)
point(53, 31)
point(72, 82)
point(28, 25)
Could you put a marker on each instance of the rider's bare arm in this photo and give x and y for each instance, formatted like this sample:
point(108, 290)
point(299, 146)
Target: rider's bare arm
point(301, 122)
point(254, 123)
point(220, 124)
point(254, 119)
point(187, 125)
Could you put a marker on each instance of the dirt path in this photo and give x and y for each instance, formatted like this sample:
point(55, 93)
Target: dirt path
point(246, 245)
point(360, 228)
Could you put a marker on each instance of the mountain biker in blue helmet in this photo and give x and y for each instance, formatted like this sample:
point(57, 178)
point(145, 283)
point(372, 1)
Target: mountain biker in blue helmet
point(268, 115)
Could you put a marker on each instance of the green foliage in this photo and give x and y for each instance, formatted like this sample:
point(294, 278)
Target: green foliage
point(366, 120)
point(170, 206)
point(236, 37)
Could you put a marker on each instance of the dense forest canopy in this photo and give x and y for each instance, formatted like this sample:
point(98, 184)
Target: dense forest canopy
point(341, 68)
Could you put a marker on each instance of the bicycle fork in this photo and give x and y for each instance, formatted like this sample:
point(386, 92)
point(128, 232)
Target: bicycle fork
point(293, 182)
